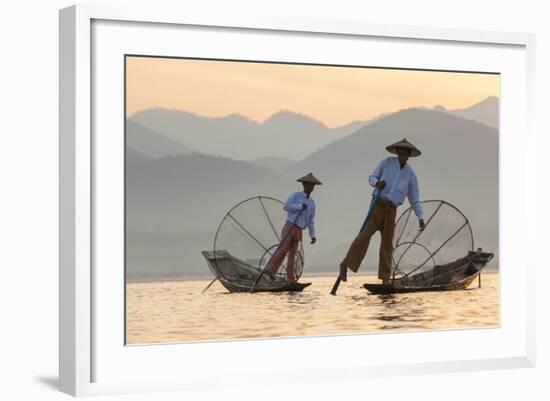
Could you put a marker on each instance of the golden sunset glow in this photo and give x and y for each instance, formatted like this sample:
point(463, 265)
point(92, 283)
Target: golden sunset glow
point(332, 95)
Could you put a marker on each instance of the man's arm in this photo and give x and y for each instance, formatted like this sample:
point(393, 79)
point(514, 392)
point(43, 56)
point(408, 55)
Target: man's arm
point(377, 173)
point(413, 195)
point(291, 205)
point(311, 226)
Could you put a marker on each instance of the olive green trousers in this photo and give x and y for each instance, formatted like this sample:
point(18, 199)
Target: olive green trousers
point(382, 219)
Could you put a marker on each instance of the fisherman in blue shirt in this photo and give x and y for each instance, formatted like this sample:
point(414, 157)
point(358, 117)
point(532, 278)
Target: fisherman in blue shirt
point(300, 208)
point(396, 180)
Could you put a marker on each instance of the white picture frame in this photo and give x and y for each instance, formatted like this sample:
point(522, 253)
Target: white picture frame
point(82, 344)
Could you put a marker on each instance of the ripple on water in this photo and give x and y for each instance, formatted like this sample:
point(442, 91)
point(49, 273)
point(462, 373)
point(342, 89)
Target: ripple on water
point(177, 311)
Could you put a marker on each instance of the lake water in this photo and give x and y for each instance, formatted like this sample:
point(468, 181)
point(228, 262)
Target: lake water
point(176, 311)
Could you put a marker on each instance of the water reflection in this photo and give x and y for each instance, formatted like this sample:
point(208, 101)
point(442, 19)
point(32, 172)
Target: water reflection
point(177, 311)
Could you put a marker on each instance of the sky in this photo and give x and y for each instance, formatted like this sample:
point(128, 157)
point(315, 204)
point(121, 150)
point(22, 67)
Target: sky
point(334, 96)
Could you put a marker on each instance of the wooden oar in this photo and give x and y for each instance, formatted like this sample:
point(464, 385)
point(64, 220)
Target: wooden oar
point(373, 201)
point(280, 243)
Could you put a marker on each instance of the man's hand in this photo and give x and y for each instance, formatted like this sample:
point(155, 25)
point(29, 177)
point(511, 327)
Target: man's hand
point(381, 185)
point(304, 206)
point(422, 225)
point(313, 241)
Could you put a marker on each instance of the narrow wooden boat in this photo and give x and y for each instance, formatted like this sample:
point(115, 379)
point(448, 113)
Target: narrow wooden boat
point(456, 275)
point(239, 276)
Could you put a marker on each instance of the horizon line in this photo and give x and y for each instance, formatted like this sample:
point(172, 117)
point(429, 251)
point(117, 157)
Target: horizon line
point(280, 111)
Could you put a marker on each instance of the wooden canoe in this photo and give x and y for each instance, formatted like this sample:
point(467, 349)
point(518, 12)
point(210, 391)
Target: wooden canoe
point(238, 276)
point(456, 275)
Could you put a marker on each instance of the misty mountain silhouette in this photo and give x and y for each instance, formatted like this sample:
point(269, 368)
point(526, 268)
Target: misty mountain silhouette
point(150, 143)
point(157, 132)
point(205, 135)
point(484, 112)
point(174, 204)
point(275, 164)
point(285, 133)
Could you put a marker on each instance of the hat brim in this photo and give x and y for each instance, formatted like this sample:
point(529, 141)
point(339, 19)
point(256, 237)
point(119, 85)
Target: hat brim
point(310, 181)
point(393, 149)
point(309, 178)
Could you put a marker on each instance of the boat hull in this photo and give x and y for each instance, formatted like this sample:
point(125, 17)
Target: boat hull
point(290, 287)
point(457, 275)
point(238, 276)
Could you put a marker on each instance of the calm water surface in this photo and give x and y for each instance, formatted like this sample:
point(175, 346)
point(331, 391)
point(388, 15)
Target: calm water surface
point(176, 311)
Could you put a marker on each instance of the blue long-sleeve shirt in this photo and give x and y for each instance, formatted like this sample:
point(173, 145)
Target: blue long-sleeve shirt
point(293, 206)
point(400, 183)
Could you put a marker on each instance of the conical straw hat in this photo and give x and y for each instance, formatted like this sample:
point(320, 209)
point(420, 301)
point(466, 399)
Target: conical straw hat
point(403, 144)
point(309, 178)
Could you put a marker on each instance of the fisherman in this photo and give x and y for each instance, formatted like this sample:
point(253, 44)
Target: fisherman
point(300, 208)
point(396, 180)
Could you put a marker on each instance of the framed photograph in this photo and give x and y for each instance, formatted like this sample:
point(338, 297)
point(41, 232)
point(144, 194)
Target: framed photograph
point(236, 191)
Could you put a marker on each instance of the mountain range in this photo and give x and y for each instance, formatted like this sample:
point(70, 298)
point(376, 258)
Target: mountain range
point(161, 132)
point(484, 112)
point(150, 143)
point(285, 133)
point(175, 202)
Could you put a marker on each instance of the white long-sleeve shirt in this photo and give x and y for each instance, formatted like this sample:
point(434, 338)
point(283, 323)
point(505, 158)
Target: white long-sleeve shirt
point(400, 183)
point(294, 205)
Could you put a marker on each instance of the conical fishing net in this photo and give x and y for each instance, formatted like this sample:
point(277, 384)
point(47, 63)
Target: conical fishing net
point(251, 232)
point(446, 238)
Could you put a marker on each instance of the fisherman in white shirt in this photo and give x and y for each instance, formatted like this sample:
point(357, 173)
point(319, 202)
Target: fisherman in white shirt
point(396, 180)
point(300, 208)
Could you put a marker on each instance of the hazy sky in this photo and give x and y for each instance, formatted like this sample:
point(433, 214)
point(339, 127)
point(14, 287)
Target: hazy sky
point(332, 95)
